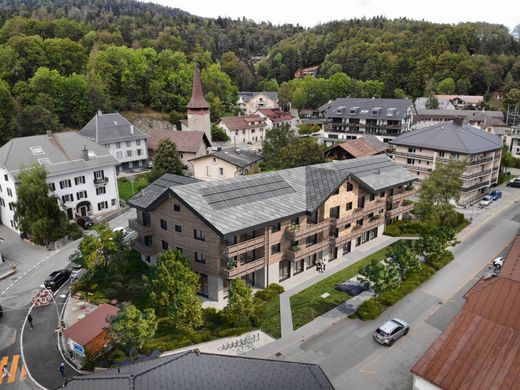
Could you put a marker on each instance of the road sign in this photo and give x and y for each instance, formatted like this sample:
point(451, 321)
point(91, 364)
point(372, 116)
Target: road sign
point(77, 348)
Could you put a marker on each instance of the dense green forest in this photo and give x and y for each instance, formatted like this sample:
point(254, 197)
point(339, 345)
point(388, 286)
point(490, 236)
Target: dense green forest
point(62, 60)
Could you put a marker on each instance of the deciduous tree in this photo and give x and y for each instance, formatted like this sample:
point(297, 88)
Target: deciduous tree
point(166, 158)
point(106, 246)
point(405, 258)
point(240, 305)
point(380, 277)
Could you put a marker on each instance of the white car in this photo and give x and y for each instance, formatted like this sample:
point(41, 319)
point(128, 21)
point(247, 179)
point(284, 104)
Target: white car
point(498, 262)
point(128, 234)
point(486, 201)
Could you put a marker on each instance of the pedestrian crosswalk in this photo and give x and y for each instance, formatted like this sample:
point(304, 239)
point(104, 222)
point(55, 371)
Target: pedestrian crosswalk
point(15, 370)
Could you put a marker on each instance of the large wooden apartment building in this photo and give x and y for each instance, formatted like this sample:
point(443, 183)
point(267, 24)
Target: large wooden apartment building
point(268, 227)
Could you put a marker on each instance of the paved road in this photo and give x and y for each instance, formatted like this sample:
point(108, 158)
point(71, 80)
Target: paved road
point(346, 351)
point(34, 264)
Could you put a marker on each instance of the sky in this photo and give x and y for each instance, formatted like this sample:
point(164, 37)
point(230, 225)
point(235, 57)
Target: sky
point(309, 13)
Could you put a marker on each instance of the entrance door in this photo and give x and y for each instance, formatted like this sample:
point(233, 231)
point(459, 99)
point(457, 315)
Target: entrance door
point(285, 270)
point(83, 211)
point(203, 285)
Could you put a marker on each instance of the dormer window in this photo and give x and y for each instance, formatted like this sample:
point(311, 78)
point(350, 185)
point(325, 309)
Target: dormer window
point(375, 111)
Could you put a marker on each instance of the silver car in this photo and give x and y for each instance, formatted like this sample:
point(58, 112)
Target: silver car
point(390, 331)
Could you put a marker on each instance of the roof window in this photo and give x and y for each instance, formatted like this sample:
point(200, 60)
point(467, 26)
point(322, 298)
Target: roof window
point(37, 150)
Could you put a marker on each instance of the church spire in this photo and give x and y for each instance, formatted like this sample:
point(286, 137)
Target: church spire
point(197, 101)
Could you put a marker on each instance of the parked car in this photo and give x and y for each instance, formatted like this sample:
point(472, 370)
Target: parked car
point(496, 195)
point(128, 234)
point(498, 262)
point(84, 221)
point(76, 271)
point(351, 288)
point(486, 201)
point(390, 331)
point(514, 183)
point(56, 279)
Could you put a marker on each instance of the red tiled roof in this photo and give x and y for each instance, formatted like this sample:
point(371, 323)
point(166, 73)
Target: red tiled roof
point(276, 115)
point(197, 100)
point(185, 141)
point(243, 122)
point(480, 349)
point(92, 325)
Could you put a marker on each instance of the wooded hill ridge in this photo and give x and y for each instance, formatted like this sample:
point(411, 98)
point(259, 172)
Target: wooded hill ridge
point(62, 60)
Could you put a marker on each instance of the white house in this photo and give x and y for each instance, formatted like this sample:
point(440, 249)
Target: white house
point(250, 102)
point(124, 141)
point(276, 118)
point(245, 129)
point(224, 164)
point(80, 173)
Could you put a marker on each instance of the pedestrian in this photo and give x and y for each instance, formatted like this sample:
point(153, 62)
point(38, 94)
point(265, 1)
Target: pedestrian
point(29, 320)
point(323, 265)
point(318, 267)
point(62, 369)
point(5, 371)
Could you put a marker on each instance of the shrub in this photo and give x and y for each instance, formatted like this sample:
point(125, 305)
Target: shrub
point(270, 292)
point(74, 232)
point(401, 227)
point(123, 180)
point(439, 260)
point(370, 309)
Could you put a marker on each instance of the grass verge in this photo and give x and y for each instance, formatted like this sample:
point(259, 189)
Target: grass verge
point(308, 304)
point(125, 186)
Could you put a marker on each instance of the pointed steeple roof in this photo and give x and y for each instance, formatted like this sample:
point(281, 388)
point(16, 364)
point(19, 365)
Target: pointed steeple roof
point(197, 97)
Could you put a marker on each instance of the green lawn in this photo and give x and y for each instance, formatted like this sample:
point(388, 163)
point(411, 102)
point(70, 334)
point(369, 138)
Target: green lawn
point(125, 186)
point(308, 304)
point(270, 321)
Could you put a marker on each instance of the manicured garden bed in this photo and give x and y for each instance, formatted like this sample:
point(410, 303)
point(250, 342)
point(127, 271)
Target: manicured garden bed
point(308, 304)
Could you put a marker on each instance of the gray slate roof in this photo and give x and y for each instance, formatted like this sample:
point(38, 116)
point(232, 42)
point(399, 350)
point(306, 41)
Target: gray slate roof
point(467, 114)
point(245, 202)
point(112, 127)
point(420, 104)
point(389, 108)
point(196, 370)
point(451, 137)
point(151, 196)
point(238, 157)
point(60, 153)
point(247, 96)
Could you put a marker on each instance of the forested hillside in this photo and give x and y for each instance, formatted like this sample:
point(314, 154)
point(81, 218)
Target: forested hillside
point(62, 60)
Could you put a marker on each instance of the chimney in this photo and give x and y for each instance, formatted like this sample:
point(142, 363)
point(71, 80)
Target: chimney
point(132, 129)
point(85, 153)
point(99, 112)
point(49, 133)
point(458, 120)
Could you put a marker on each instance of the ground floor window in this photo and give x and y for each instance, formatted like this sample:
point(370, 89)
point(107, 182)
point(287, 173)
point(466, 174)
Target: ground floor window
point(298, 267)
point(249, 278)
point(347, 247)
point(333, 253)
point(203, 285)
point(373, 233)
point(284, 269)
point(311, 261)
point(225, 287)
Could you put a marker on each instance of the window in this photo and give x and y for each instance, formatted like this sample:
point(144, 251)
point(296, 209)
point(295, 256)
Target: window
point(198, 235)
point(177, 207)
point(164, 224)
point(221, 171)
point(139, 152)
point(336, 192)
point(350, 187)
point(334, 212)
point(410, 161)
point(349, 206)
point(113, 201)
point(359, 222)
point(148, 240)
point(275, 248)
point(52, 187)
point(276, 227)
point(11, 206)
point(182, 155)
point(99, 174)
point(372, 197)
point(2, 202)
point(214, 159)
point(102, 205)
point(382, 194)
point(118, 145)
point(200, 257)
point(347, 226)
point(179, 249)
point(119, 155)
point(79, 180)
point(164, 245)
point(361, 202)
point(311, 240)
point(6, 178)
point(10, 192)
point(128, 153)
point(178, 228)
point(138, 142)
point(81, 195)
point(441, 154)
point(101, 190)
point(128, 143)
point(65, 184)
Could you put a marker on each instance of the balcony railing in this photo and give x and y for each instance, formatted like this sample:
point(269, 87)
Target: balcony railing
point(476, 174)
point(479, 161)
point(244, 246)
point(358, 212)
point(297, 233)
point(416, 168)
point(475, 186)
point(143, 249)
point(356, 231)
point(402, 194)
point(136, 225)
point(99, 181)
point(243, 269)
point(399, 210)
point(412, 155)
point(304, 251)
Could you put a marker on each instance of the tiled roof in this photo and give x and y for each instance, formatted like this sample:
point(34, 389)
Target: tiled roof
point(151, 196)
point(185, 141)
point(237, 157)
point(364, 146)
point(197, 100)
point(393, 109)
point(243, 122)
point(112, 127)
point(466, 114)
point(247, 96)
point(276, 115)
point(196, 370)
point(91, 325)
point(60, 153)
point(254, 200)
point(480, 349)
point(451, 137)
point(472, 99)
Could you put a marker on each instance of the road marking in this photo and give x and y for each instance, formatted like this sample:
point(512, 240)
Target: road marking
point(3, 364)
point(13, 370)
point(14, 367)
point(23, 374)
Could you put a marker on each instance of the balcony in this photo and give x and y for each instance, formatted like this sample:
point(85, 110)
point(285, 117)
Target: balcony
point(100, 181)
point(294, 233)
point(303, 251)
point(399, 210)
point(412, 155)
point(396, 196)
point(136, 225)
point(356, 231)
point(358, 212)
point(244, 246)
point(143, 249)
point(476, 174)
point(242, 269)
point(416, 168)
point(475, 186)
point(478, 161)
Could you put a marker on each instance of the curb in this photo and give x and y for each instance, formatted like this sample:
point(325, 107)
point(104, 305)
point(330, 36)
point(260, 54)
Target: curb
point(6, 274)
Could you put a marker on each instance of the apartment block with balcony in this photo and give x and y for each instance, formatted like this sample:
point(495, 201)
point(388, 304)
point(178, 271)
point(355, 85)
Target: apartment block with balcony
point(268, 227)
point(420, 151)
point(350, 118)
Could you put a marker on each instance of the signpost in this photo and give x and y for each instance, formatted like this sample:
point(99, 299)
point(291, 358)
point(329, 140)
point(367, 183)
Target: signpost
point(78, 349)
